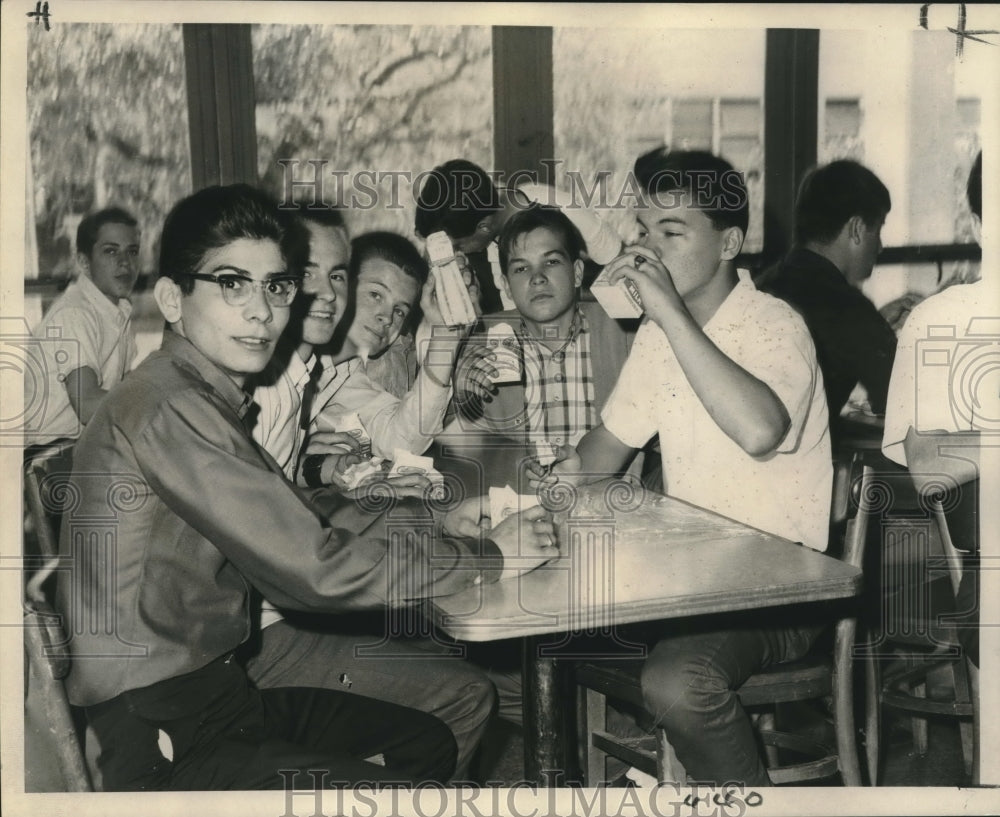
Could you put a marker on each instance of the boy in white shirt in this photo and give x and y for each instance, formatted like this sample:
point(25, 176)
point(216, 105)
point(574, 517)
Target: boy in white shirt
point(89, 341)
point(728, 378)
point(346, 653)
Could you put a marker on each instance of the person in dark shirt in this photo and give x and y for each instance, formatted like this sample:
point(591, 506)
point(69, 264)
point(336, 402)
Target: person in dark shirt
point(839, 213)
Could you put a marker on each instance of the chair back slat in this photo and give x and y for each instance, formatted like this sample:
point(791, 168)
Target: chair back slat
point(45, 642)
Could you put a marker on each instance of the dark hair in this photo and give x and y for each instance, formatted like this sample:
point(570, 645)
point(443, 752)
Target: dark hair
point(974, 187)
point(830, 195)
point(390, 247)
point(317, 214)
point(533, 218)
point(715, 187)
point(455, 197)
point(86, 233)
point(217, 216)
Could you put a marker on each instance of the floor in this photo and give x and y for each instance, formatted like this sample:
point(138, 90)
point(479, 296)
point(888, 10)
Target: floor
point(501, 760)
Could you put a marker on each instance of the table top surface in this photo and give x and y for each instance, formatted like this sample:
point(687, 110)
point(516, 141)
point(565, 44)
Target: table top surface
point(629, 555)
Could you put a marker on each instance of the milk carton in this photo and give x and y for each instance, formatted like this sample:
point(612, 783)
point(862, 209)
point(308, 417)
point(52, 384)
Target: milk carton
point(619, 300)
point(501, 340)
point(452, 294)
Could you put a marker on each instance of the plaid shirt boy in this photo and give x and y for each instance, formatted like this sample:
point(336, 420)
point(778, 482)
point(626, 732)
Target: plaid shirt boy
point(559, 385)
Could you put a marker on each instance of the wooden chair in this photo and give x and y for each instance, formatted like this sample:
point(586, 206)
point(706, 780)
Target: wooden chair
point(47, 661)
point(899, 665)
point(818, 675)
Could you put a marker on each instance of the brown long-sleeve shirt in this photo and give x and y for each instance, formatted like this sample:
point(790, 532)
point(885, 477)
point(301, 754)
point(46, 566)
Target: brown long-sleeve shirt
point(177, 513)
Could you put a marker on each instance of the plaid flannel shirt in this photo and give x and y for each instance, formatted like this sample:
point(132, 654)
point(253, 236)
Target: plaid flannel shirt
point(559, 385)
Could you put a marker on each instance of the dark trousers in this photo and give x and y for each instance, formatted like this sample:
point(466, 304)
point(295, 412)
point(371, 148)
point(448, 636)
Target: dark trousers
point(689, 683)
point(212, 729)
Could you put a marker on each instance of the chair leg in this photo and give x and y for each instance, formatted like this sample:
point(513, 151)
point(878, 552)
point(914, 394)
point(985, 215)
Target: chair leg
point(919, 725)
point(843, 705)
point(976, 737)
point(597, 720)
point(960, 676)
point(873, 716)
point(668, 767)
point(767, 722)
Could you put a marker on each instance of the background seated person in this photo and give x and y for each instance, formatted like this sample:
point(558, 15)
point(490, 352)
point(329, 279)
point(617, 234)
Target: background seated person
point(839, 213)
point(934, 431)
point(291, 377)
point(89, 340)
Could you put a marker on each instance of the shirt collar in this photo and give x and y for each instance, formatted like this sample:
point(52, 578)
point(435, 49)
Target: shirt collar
point(299, 370)
point(329, 373)
point(189, 356)
point(100, 301)
point(576, 328)
point(735, 302)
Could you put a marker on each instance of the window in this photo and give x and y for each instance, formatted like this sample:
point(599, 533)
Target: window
point(917, 129)
point(842, 135)
point(372, 107)
point(620, 92)
point(107, 119)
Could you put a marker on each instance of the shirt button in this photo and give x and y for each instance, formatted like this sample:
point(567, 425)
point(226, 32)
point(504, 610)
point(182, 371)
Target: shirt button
point(557, 398)
point(559, 378)
point(558, 357)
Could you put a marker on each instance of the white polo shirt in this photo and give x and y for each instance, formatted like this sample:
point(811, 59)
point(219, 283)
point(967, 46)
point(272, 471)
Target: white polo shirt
point(81, 329)
point(944, 377)
point(786, 492)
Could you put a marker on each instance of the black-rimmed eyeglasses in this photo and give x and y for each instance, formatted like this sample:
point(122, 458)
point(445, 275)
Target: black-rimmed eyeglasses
point(237, 290)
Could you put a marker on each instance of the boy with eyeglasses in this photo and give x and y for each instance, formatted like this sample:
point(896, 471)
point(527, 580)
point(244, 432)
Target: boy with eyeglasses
point(89, 341)
point(187, 518)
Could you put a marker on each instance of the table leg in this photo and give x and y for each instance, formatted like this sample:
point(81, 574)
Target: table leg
point(547, 713)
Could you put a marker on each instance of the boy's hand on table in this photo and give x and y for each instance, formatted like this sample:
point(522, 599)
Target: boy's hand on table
point(527, 540)
point(565, 470)
point(470, 519)
point(335, 466)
